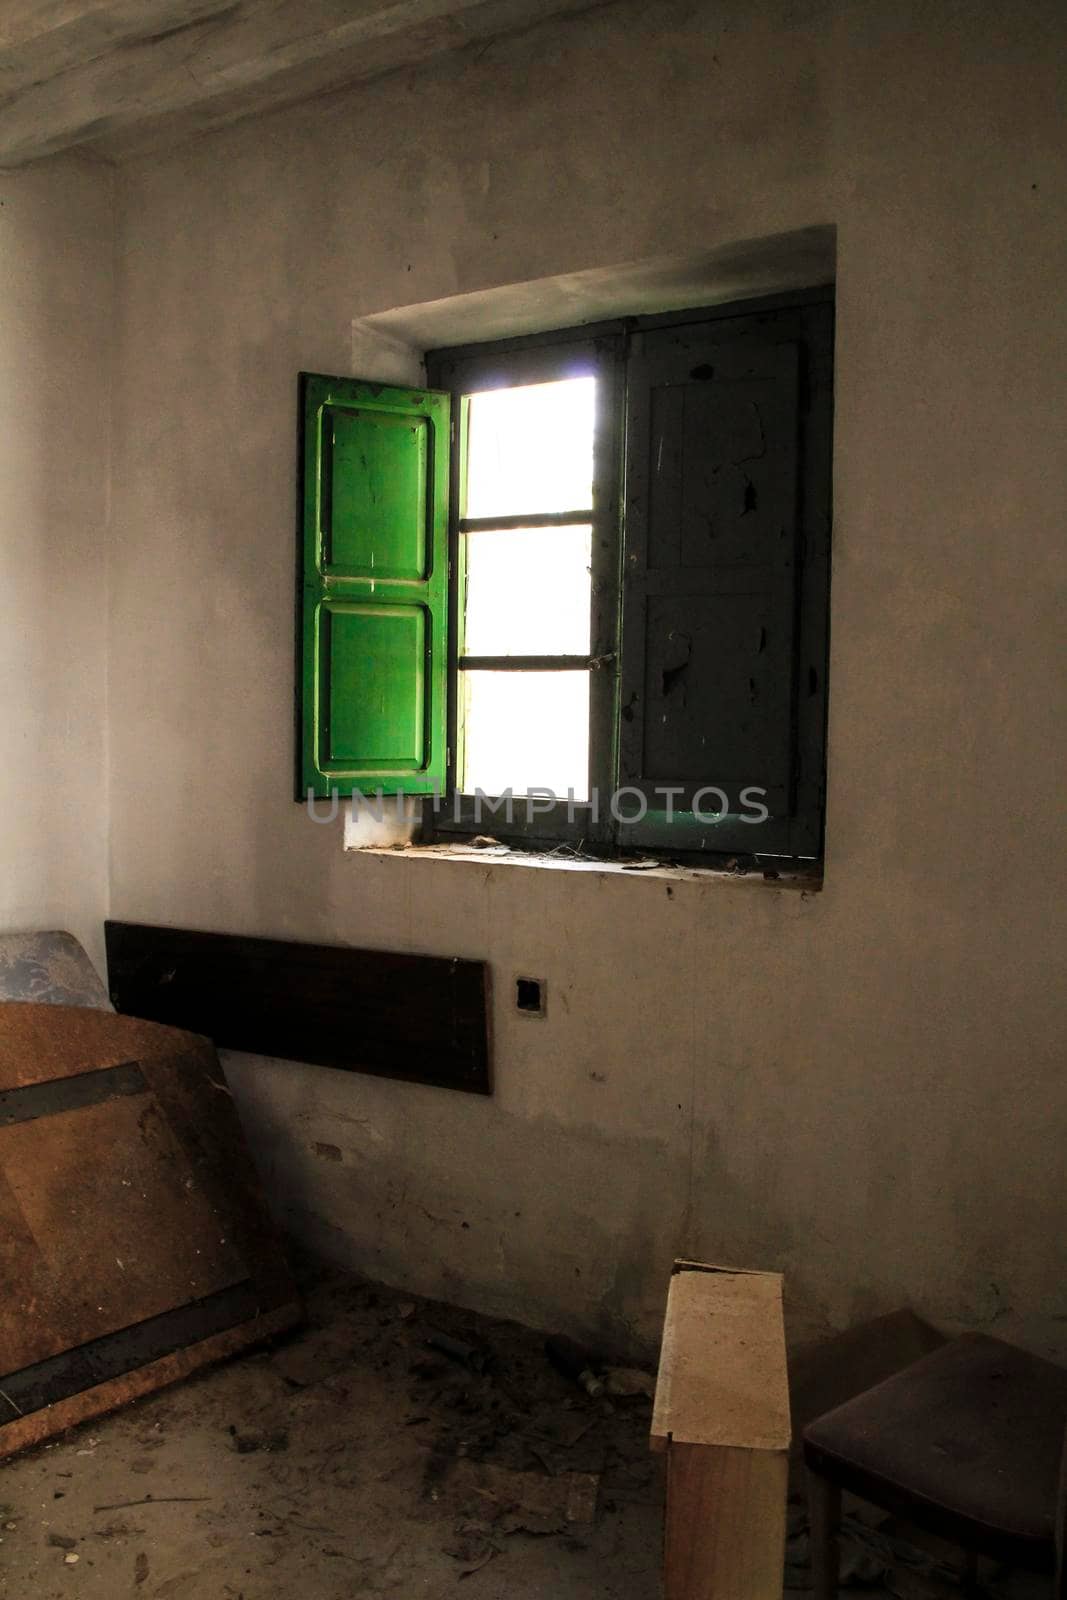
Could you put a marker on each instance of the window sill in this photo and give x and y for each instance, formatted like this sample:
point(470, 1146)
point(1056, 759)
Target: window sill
point(502, 855)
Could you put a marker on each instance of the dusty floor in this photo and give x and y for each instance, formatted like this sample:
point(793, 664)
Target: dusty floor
point(349, 1460)
point(355, 1459)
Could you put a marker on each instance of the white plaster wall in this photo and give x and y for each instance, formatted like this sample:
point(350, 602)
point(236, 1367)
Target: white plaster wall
point(863, 1087)
point(56, 252)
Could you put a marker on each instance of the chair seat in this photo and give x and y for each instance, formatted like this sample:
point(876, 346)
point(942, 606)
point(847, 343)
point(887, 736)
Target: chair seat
point(967, 1442)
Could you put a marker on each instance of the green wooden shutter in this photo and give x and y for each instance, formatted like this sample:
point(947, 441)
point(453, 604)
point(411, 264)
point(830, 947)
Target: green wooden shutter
point(724, 587)
point(374, 603)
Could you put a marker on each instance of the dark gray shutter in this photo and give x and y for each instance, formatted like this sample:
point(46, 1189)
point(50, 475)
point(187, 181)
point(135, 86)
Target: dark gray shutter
point(724, 583)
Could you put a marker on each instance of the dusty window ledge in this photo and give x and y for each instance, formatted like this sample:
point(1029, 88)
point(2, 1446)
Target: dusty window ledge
point(502, 855)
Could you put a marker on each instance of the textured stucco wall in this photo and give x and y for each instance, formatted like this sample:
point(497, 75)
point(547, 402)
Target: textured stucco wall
point(863, 1087)
point(56, 251)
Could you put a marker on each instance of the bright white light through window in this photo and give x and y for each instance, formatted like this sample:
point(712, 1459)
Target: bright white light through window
point(528, 590)
point(527, 730)
point(531, 449)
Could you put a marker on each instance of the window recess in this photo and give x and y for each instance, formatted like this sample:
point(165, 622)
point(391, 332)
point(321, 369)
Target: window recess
point(589, 567)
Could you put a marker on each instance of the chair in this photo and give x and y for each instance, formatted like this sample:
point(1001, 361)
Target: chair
point(968, 1443)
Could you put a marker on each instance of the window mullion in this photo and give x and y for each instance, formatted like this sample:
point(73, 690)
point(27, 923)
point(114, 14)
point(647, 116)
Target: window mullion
point(525, 663)
point(606, 574)
point(516, 521)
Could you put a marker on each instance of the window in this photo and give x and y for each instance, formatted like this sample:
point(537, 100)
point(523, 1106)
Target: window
point(588, 570)
point(524, 590)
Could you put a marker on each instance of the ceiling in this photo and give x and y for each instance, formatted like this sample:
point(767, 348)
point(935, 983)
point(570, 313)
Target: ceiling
point(118, 77)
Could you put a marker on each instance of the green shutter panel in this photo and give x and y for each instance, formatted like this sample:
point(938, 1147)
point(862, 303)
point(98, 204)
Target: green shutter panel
point(726, 504)
point(374, 602)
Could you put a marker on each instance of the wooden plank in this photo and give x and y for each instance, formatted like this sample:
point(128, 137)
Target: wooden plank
point(36, 1426)
point(422, 1019)
point(726, 1517)
point(722, 1374)
point(722, 1416)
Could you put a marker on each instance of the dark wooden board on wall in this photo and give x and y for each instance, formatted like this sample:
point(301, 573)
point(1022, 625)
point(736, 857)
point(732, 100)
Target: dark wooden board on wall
point(423, 1019)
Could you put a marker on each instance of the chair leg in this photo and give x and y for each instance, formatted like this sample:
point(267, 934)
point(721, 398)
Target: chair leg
point(824, 1519)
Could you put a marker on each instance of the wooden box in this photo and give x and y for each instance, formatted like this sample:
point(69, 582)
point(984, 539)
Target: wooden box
point(722, 1417)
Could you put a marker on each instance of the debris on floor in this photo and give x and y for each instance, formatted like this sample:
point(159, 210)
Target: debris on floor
point(535, 1502)
point(469, 1355)
point(246, 1443)
point(626, 1382)
point(391, 1446)
point(576, 1363)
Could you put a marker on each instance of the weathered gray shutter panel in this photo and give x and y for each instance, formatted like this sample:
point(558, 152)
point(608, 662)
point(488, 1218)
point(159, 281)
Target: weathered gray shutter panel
point(717, 502)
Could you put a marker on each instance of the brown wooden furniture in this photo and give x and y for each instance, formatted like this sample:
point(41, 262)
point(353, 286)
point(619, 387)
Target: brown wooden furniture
point(967, 1442)
point(722, 1418)
point(135, 1244)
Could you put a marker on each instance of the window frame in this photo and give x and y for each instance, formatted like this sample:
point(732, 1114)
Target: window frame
point(603, 350)
point(511, 363)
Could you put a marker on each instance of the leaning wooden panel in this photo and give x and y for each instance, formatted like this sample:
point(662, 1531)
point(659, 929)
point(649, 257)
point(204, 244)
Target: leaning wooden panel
point(134, 1240)
point(722, 1416)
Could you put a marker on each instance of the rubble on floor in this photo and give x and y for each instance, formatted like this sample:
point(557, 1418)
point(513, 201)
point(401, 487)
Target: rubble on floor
point(392, 1446)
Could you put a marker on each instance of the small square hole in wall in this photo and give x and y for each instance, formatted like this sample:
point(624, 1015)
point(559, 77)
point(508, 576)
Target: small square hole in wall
point(530, 996)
